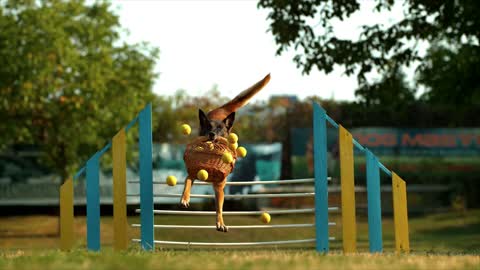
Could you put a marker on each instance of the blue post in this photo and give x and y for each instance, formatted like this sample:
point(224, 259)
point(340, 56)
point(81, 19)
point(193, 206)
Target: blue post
point(374, 205)
point(146, 181)
point(93, 203)
point(321, 178)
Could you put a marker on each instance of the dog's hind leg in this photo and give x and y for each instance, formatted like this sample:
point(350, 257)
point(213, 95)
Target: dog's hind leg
point(219, 198)
point(185, 201)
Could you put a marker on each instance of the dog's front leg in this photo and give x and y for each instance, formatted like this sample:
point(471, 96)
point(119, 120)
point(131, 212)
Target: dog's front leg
point(219, 198)
point(185, 201)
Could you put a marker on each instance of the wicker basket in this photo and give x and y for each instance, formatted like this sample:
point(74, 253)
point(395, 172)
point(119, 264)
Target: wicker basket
point(203, 154)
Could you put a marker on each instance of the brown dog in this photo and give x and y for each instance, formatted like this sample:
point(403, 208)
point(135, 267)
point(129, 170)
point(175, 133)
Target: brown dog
point(214, 125)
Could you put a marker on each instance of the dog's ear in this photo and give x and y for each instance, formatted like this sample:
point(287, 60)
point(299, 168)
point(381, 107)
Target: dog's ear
point(229, 121)
point(204, 121)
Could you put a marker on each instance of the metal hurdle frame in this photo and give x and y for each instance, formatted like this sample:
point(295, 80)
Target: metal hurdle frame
point(238, 213)
point(321, 210)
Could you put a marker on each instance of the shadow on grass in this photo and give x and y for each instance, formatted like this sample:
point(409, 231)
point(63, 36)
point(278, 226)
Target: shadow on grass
point(236, 249)
point(28, 235)
point(456, 238)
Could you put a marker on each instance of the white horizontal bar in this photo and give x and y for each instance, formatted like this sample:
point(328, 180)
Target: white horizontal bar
point(244, 183)
point(237, 213)
point(233, 227)
point(234, 196)
point(235, 243)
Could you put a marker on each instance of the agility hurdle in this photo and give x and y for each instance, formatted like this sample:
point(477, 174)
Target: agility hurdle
point(321, 209)
point(91, 172)
point(346, 143)
point(238, 213)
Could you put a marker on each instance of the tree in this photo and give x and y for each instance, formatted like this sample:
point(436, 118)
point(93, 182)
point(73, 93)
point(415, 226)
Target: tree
point(67, 82)
point(390, 91)
point(451, 75)
point(307, 26)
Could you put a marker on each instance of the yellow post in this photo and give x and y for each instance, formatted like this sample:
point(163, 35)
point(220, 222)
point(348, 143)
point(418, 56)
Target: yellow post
point(348, 191)
point(119, 191)
point(400, 214)
point(66, 215)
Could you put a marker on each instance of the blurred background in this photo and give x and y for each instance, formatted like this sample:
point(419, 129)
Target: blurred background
point(402, 76)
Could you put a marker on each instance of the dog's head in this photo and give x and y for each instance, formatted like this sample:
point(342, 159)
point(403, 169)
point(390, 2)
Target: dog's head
point(214, 128)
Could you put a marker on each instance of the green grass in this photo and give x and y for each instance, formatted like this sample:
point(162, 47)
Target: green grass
point(438, 241)
point(240, 259)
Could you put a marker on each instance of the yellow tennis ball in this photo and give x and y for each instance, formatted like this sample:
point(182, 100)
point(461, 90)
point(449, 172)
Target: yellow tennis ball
point(186, 129)
point(210, 145)
point(227, 157)
point(232, 138)
point(241, 151)
point(171, 180)
point(202, 175)
point(233, 146)
point(265, 217)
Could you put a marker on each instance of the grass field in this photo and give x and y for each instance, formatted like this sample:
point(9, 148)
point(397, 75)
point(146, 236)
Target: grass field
point(438, 241)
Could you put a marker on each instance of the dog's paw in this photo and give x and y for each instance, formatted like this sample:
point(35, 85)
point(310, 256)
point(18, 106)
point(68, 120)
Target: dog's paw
point(184, 203)
point(221, 227)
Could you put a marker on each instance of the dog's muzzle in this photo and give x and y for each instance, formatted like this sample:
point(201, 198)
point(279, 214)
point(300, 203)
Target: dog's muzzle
point(212, 136)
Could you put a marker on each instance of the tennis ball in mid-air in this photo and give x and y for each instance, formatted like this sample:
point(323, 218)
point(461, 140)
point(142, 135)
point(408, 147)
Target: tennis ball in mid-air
point(233, 146)
point(202, 175)
point(265, 217)
point(227, 157)
point(241, 151)
point(186, 129)
point(171, 180)
point(232, 138)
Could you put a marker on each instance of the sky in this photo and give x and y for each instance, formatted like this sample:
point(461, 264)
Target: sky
point(226, 43)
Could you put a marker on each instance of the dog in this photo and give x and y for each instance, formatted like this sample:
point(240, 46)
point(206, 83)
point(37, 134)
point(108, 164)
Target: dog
point(214, 124)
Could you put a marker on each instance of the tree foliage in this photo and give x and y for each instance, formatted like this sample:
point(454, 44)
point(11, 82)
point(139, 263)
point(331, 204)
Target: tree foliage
point(451, 75)
point(307, 26)
point(391, 90)
point(67, 82)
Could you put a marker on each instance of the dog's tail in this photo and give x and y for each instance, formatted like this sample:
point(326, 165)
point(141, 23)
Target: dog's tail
point(239, 101)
